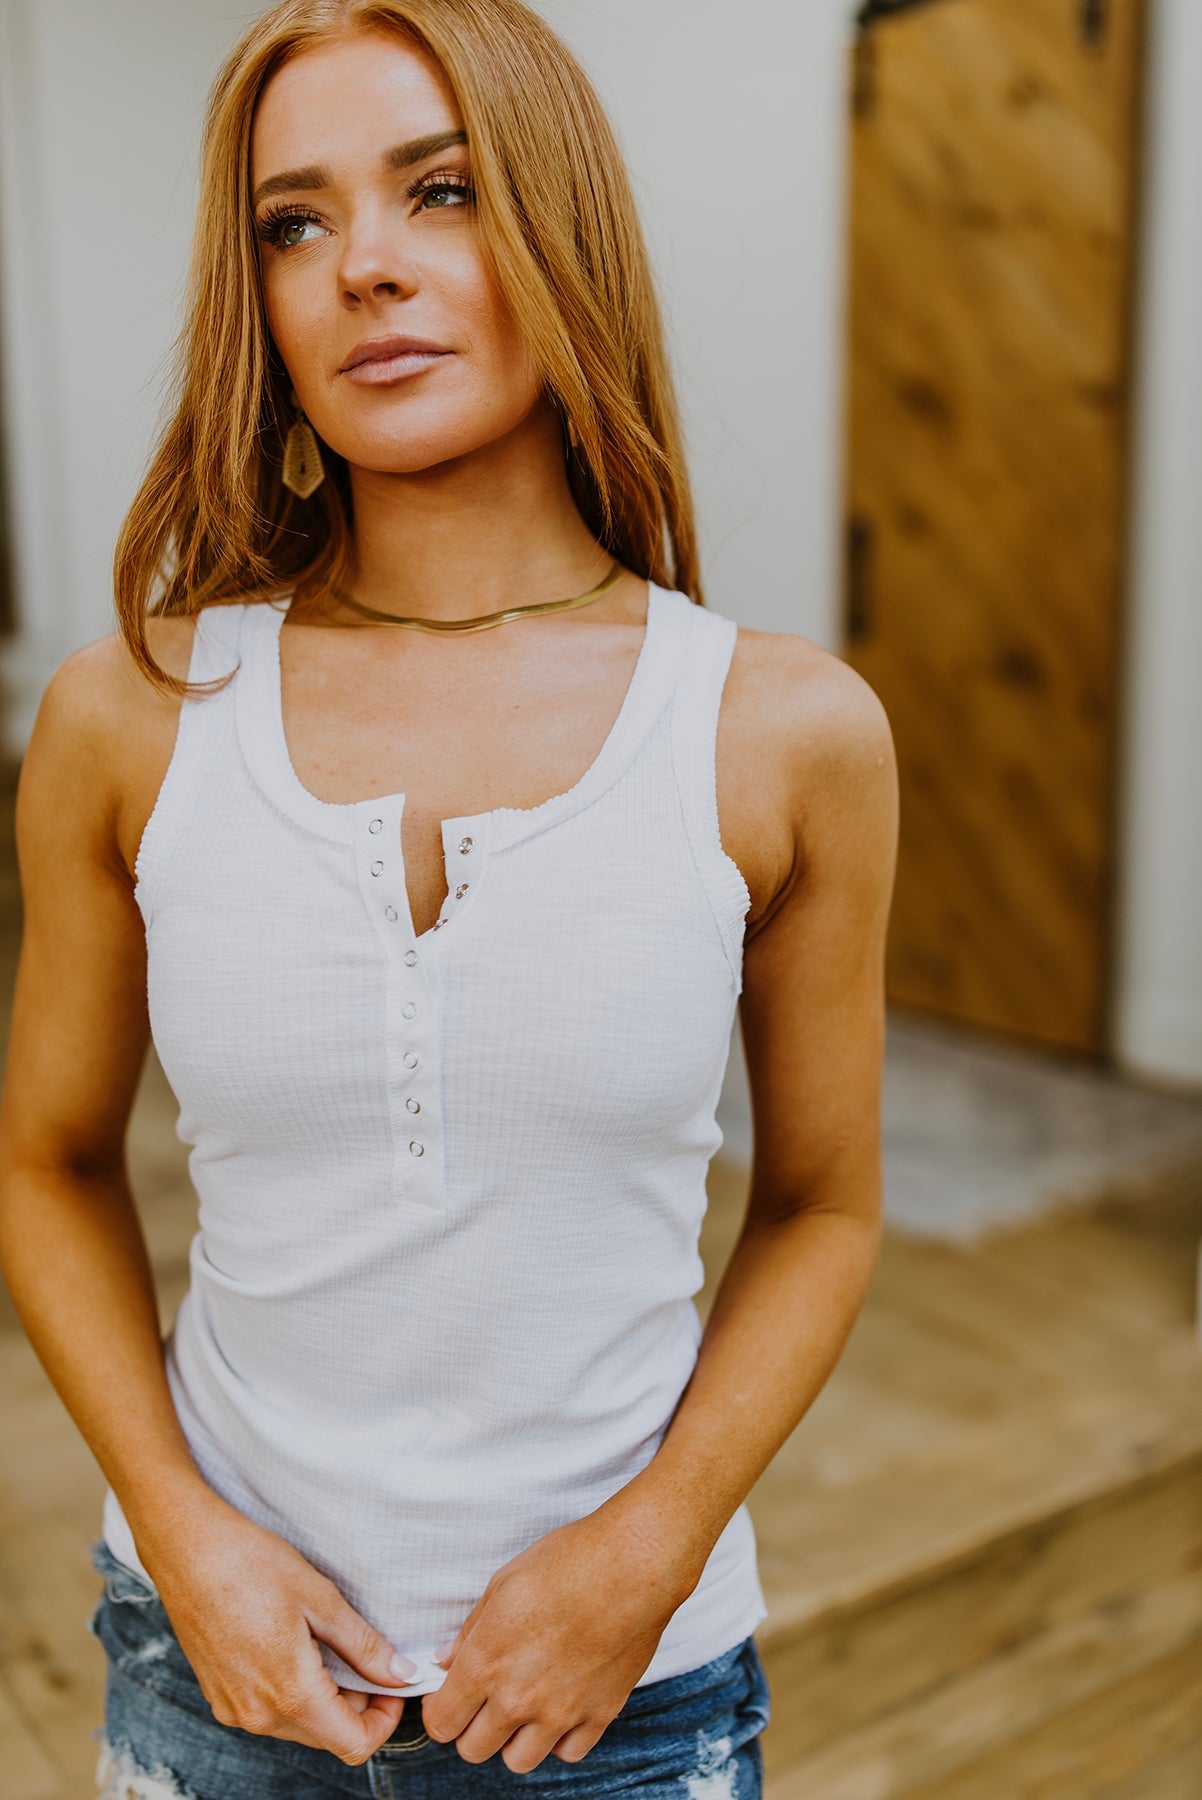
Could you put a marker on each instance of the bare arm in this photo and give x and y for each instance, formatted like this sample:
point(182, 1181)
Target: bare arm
point(71, 1242)
point(69, 1234)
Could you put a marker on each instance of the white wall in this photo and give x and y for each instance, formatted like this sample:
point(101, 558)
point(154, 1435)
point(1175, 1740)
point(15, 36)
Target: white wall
point(1159, 990)
point(732, 119)
point(100, 107)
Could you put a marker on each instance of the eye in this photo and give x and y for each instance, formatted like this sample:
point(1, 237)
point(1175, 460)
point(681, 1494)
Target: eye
point(450, 190)
point(276, 219)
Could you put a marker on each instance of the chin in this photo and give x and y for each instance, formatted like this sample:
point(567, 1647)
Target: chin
point(411, 453)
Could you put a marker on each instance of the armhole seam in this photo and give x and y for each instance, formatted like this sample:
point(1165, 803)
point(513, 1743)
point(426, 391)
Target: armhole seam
point(696, 710)
point(179, 790)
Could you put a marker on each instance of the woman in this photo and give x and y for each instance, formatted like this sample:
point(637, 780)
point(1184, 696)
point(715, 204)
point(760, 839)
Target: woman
point(393, 810)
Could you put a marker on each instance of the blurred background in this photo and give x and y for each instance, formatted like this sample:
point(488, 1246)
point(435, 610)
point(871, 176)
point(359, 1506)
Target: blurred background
point(933, 275)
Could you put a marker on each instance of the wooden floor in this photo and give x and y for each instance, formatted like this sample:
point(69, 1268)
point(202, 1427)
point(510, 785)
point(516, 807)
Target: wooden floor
point(981, 1550)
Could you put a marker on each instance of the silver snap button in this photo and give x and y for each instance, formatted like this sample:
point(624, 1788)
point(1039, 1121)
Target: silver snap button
point(390, 912)
point(410, 956)
point(461, 890)
point(410, 1059)
point(376, 825)
point(409, 1009)
point(417, 1149)
point(465, 845)
point(413, 1106)
point(377, 868)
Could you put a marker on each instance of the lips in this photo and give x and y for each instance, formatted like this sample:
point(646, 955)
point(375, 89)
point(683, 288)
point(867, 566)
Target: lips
point(384, 349)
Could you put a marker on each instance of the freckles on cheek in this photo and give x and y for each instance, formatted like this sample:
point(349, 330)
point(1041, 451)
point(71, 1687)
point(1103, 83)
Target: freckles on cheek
point(470, 283)
point(297, 329)
point(275, 311)
point(490, 324)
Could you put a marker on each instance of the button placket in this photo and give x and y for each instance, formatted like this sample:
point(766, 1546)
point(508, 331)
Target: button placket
point(463, 842)
point(415, 1113)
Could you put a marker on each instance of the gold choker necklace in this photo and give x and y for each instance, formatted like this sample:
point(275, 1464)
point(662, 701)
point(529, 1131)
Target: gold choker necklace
point(485, 619)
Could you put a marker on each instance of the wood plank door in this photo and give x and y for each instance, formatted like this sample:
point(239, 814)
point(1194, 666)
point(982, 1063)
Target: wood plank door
point(990, 241)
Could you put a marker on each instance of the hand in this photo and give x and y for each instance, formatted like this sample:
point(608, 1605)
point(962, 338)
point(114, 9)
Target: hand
point(248, 1610)
point(548, 1655)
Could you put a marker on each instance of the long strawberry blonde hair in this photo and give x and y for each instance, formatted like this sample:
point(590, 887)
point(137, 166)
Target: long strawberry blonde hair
point(212, 521)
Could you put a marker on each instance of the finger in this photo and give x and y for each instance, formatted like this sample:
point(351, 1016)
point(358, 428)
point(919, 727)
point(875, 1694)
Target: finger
point(527, 1748)
point(450, 1709)
point(454, 1709)
point(492, 1730)
point(355, 1736)
point(384, 1710)
point(453, 1645)
point(345, 1721)
point(576, 1744)
point(363, 1648)
point(479, 1738)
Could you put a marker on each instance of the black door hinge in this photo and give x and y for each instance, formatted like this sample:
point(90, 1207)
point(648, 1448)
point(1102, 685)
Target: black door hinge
point(857, 580)
point(1093, 20)
point(871, 10)
point(864, 71)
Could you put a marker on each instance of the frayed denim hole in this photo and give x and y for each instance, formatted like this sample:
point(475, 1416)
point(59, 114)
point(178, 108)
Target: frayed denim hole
point(716, 1775)
point(119, 1776)
point(139, 1643)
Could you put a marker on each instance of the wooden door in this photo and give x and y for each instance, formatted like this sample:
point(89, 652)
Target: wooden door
point(990, 273)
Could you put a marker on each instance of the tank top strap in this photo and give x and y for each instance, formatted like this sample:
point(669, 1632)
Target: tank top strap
point(707, 649)
point(646, 701)
point(205, 722)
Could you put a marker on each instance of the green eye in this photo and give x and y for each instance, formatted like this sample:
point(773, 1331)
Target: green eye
point(276, 219)
point(449, 191)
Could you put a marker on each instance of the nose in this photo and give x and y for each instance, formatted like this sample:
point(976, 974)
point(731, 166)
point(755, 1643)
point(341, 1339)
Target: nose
point(374, 263)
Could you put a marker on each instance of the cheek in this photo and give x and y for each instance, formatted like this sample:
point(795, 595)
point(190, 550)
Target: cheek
point(294, 320)
point(507, 369)
point(492, 330)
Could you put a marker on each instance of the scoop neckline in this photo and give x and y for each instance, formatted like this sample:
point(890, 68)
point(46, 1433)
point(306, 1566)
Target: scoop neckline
point(260, 724)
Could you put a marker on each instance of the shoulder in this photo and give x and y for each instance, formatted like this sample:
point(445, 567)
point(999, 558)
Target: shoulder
point(88, 698)
point(812, 711)
point(809, 701)
point(102, 727)
point(810, 749)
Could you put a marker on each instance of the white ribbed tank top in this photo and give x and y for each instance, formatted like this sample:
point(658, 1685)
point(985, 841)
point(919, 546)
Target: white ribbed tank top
point(450, 1186)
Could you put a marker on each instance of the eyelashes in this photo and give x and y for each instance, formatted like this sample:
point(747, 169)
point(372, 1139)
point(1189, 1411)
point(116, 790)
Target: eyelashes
point(272, 223)
point(451, 184)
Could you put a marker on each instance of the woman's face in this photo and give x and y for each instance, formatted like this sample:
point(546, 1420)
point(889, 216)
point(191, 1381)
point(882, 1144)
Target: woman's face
point(366, 241)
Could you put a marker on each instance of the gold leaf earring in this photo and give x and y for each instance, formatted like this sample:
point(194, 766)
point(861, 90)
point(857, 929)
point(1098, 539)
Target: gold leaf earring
point(303, 470)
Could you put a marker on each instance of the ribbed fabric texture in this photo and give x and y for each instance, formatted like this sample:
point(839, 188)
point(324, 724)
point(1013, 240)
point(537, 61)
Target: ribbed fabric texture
point(450, 1186)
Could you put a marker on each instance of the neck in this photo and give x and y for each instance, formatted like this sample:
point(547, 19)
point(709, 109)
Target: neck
point(495, 528)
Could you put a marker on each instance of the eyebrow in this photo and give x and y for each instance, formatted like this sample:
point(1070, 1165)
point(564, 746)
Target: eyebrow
point(316, 175)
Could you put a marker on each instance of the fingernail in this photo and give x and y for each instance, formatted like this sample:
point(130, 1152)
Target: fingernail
point(402, 1668)
point(442, 1649)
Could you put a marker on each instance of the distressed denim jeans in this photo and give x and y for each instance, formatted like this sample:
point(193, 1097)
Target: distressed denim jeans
point(691, 1737)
